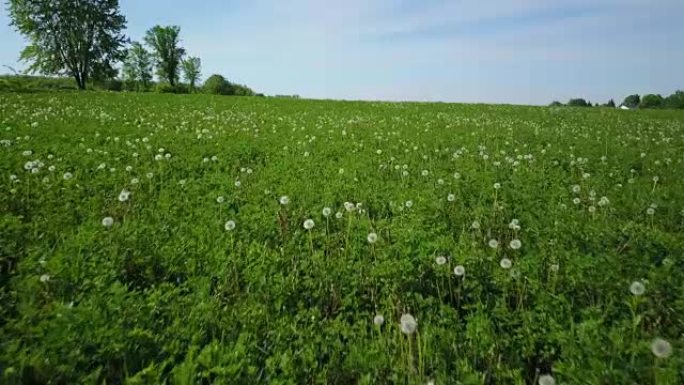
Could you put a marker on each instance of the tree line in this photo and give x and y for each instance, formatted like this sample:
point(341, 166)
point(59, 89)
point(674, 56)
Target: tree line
point(85, 40)
point(652, 101)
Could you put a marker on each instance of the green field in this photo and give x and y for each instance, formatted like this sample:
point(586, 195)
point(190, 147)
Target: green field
point(119, 263)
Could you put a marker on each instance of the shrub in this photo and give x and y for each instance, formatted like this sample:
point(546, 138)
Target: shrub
point(217, 85)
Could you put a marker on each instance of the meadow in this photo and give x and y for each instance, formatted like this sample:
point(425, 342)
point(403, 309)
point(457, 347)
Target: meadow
point(196, 239)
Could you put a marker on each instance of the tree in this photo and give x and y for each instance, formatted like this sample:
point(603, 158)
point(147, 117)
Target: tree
point(578, 103)
point(82, 39)
point(555, 103)
point(611, 104)
point(164, 42)
point(191, 70)
point(632, 101)
point(137, 68)
point(675, 100)
point(217, 85)
point(651, 101)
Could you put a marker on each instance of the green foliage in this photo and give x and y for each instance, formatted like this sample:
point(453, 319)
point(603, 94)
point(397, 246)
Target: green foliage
point(217, 85)
point(674, 101)
point(611, 104)
point(556, 103)
point(651, 101)
point(26, 83)
point(241, 90)
point(137, 68)
point(81, 39)
point(192, 68)
point(632, 101)
point(166, 88)
point(164, 42)
point(168, 295)
point(578, 103)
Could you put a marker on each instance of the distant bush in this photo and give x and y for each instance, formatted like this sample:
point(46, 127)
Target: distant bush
point(217, 85)
point(556, 103)
point(675, 100)
point(651, 101)
point(632, 101)
point(579, 102)
point(166, 88)
point(25, 83)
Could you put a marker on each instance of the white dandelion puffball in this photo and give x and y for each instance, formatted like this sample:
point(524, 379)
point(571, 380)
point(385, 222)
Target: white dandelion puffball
point(378, 320)
point(220, 199)
point(661, 348)
point(497, 186)
point(576, 201)
point(459, 271)
point(135, 181)
point(67, 175)
point(149, 175)
point(338, 215)
point(515, 244)
point(493, 243)
point(238, 183)
point(308, 224)
point(451, 197)
point(475, 225)
point(637, 288)
point(424, 173)
point(505, 263)
point(124, 195)
point(284, 200)
point(230, 225)
point(546, 379)
point(107, 221)
point(440, 260)
point(372, 238)
point(650, 211)
point(408, 324)
point(349, 206)
point(576, 189)
point(409, 204)
point(44, 278)
point(326, 211)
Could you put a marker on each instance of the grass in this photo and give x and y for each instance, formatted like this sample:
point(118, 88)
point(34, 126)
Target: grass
point(168, 295)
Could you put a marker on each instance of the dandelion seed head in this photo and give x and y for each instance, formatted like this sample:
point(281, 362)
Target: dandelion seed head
point(459, 270)
point(440, 260)
point(230, 225)
point(44, 278)
point(515, 244)
point(505, 263)
point(378, 320)
point(107, 221)
point(546, 379)
point(124, 195)
point(408, 324)
point(326, 211)
point(661, 348)
point(284, 200)
point(372, 238)
point(637, 288)
point(493, 243)
point(308, 224)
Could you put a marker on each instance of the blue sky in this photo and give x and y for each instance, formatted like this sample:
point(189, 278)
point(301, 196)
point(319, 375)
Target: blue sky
point(496, 51)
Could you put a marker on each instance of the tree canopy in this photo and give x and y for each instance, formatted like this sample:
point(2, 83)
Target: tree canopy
point(137, 67)
point(192, 67)
point(82, 39)
point(165, 44)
